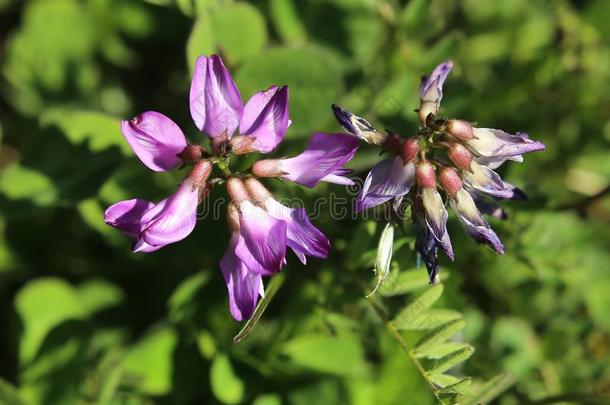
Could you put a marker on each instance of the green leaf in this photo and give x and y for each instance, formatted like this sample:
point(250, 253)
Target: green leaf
point(461, 387)
point(43, 304)
point(443, 349)
point(9, 394)
point(341, 355)
point(98, 130)
point(490, 390)
point(363, 238)
point(272, 288)
point(151, 361)
point(427, 319)
point(443, 380)
point(236, 30)
point(438, 335)
point(451, 360)
point(96, 294)
point(226, 385)
point(313, 83)
point(20, 182)
point(412, 311)
point(182, 303)
point(287, 21)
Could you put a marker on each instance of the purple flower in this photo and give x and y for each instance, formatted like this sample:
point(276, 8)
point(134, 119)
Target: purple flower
point(494, 146)
point(217, 109)
point(301, 236)
point(154, 226)
point(425, 243)
point(388, 179)
point(485, 180)
point(431, 90)
point(358, 126)
point(472, 221)
point(322, 160)
point(155, 139)
point(244, 286)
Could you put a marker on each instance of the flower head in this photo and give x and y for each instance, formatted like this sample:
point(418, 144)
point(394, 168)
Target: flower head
point(447, 161)
point(262, 229)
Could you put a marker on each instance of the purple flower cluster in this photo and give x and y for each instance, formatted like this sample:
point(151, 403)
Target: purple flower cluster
point(261, 227)
point(447, 155)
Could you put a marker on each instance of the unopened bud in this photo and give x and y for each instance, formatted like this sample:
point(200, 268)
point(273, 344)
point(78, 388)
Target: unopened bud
point(240, 144)
point(384, 256)
point(460, 156)
point(200, 173)
point(237, 190)
point(267, 168)
point(425, 175)
point(191, 153)
point(450, 180)
point(256, 189)
point(409, 150)
point(460, 129)
point(392, 143)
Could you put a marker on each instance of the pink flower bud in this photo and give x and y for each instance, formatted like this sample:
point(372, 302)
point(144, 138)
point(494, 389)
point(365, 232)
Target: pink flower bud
point(200, 173)
point(267, 168)
point(409, 150)
point(450, 180)
point(237, 190)
point(240, 144)
point(460, 129)
point(190, 153)
point(256, 189)
point(424, 173)
point(460, 156)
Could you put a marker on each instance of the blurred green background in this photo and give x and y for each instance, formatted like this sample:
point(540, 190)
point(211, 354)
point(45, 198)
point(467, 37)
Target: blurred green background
point(85, 321)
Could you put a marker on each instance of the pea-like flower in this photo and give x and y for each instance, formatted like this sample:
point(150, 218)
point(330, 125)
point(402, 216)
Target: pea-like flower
point(447, 161)
point(261, 227)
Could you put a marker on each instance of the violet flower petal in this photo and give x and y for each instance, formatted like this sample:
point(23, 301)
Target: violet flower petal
point(265, 118)
point(431, 87)
point(243, 285)
point(388, 179)
point(436, 219)
point(126, 215)
point(301, 235)
point(495, 143)
point(155, 139)
point(215, 102)
point(426, 247)
point(172, 219)
point(324, 155)
point(263, 243)
point(473, 223)
point(487, 181)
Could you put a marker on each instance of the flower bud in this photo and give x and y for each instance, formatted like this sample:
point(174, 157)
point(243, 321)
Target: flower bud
point(392, 143)
point(190, 153)
point(450, 180)
point(237, 190)
point(460, 156)
point(256, 189)
point(384, 256)
point(200, 173)
point(409, 150)
point(267, 168)
point(425, 176)
point(240, 144)
point(460, 129)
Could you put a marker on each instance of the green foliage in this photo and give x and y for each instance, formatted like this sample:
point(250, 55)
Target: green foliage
point(84, 320)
